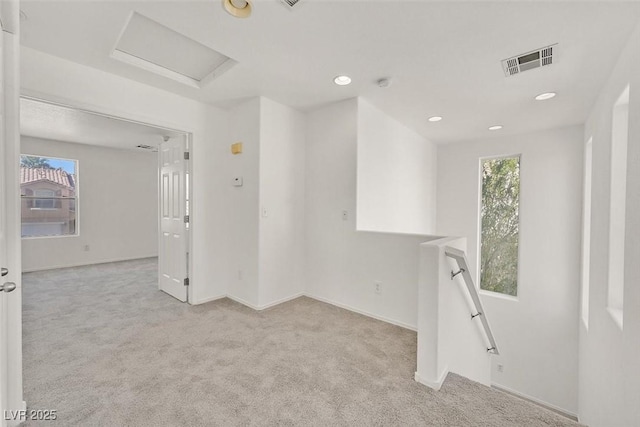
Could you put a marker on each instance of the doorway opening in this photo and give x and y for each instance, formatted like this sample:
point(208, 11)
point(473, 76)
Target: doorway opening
point(128, 182)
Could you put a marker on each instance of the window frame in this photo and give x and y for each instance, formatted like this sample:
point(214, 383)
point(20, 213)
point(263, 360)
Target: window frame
point(498, 295)
point(74, 201)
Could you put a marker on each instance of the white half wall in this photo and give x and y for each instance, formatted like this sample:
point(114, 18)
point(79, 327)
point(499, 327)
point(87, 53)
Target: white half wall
point(609, 355)
point(54, 79)
point(117, 209)
point(537, 333)
point(449, 340)
point(282, 147)
point(342, 263)
point(396, 175)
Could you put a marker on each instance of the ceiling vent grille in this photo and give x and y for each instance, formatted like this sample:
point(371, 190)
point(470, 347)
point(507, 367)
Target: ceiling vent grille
point(290, 3)
point(530, 60)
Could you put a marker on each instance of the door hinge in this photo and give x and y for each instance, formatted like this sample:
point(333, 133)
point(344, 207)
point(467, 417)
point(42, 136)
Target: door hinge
point(186, 155)
point(186, 281)
point(186, 219)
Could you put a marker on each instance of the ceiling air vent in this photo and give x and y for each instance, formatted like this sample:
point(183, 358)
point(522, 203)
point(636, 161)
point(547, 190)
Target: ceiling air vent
point(530, 60)
point(290, 3)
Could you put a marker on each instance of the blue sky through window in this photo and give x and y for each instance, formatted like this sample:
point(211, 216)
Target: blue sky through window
point(66, 165)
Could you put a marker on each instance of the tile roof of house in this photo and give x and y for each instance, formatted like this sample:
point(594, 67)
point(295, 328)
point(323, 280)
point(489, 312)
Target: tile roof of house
point(57, 176)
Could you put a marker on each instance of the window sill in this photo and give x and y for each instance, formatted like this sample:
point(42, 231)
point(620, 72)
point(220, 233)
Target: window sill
point(498, 295)
point(60, 236)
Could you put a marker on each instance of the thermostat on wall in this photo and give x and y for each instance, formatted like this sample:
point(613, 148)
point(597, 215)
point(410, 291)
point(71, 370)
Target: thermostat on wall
point(237, 181)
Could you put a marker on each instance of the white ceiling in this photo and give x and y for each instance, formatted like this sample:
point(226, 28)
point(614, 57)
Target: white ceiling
point(444, 57)
point(49, 121)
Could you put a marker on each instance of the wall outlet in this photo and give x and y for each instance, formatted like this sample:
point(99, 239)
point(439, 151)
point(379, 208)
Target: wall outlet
point(86, 248)
point(500, 368)
point(345, 215)
point(264, 212)
point(377, 287)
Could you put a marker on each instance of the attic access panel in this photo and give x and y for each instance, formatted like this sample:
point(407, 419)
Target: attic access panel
point(154, 47)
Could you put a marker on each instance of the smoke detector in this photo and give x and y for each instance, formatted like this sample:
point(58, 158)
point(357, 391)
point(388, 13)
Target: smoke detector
point(530, 60)
point(384, 82)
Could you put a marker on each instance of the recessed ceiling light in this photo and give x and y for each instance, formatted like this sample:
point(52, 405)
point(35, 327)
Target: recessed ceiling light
point(435, 119)
point(237, 8)
point(545, 96)
point(342, 80)
point(496, 127)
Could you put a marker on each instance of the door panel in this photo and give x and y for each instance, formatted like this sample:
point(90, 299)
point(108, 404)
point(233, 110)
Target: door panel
point(173, 231)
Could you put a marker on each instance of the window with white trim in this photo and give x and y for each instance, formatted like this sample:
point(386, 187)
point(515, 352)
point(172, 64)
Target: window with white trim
point(618, 202)
point(49, 190)
point(586, 231)
point(499, 225)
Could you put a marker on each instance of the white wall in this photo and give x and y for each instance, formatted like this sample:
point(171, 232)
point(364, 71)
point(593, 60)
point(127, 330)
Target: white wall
point(282, 147)
point(117, 209)
point(51, 78)
point(396, 175)
point(448, 339)
point(342, 264)
point(538, 333)
point(243, 228)
point(609, 356)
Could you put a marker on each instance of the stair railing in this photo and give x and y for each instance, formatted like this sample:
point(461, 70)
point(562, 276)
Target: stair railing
point(461, 259)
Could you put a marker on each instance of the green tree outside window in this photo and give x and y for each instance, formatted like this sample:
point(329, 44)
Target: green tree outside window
point(500, 225)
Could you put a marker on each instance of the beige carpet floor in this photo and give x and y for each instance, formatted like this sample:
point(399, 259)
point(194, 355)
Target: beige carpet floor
point(104, 347)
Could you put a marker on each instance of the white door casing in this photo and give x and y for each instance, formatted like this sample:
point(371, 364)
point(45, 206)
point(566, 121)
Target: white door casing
point(173, 244)
point(3, 260)
point(10, 243)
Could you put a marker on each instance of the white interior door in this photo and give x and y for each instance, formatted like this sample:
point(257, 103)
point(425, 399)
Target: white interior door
point(173, 218)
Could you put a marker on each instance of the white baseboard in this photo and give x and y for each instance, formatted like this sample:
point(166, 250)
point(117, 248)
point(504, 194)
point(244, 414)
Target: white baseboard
point(436, 385)
point(539, 402)
point(264, 306)
point(280, 301)
point(363, 312)
point(206, 300)
point(243, 302)
point(82, 264)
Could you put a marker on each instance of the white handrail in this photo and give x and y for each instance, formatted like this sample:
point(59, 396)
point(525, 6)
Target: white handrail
point(460, 257)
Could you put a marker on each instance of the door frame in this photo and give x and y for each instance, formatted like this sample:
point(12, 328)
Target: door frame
point(10, 82)
point(145, 121)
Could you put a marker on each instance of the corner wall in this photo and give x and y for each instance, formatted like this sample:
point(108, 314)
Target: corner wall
point(342, 263)
point(113, 185)
point(282, 187)
point(609, 356)
point(396, 175)
point(243, 203)
point(537, 333)
point(266, 251)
